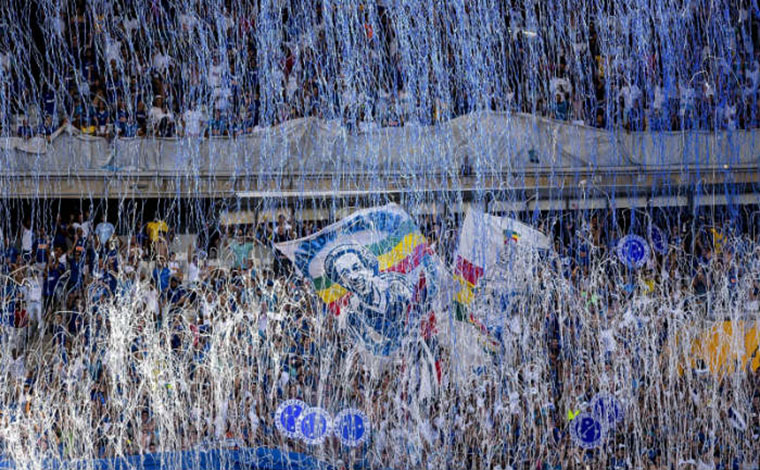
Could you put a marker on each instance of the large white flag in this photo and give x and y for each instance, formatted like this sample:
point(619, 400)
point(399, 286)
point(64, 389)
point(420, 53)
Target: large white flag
point(494, 261)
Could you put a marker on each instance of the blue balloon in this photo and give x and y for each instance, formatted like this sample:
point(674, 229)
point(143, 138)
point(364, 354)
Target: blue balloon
point(314, 425)
point(633, 251)
point(587, 431)
point(286, 417)
point(659, 239)
point(352, 427)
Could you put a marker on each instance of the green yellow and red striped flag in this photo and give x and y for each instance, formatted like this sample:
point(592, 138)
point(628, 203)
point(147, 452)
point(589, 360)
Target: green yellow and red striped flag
point(387, 232)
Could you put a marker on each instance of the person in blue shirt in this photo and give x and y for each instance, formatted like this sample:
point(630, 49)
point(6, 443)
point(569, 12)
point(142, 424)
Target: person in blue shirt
point(53, 273)
point(76, 268)
point(102, 118)
point(41, 247)
point(47, 128)
point(561, 108)
point(49, 102)
point(25, 131)
point(175, 294)
point(161, 275)
point(84, 113)
point(248, 124)
point(583, 255)
point(88, 66)
point(125, 125)
point(110, 275)
point(218, 124)
point(8, 256)
point(80, 242)
point(252, 110)
point(113, 86)
point(61, 232)
point(10, 296)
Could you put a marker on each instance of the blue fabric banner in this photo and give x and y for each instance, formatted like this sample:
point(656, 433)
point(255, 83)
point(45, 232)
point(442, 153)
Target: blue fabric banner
point(261, 458)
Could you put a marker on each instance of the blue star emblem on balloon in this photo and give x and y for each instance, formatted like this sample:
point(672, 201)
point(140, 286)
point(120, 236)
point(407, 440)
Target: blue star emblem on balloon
point(351, 426)
point(314, 425)
point(633, 251)
point(286, 417)
point(587, 431)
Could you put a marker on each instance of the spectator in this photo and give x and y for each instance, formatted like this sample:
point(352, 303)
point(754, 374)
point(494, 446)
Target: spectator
point(241, 251)
point(162, 120)
point(218, 125)
point(102, 119)
point(9, 257)
point(282, 233)
point(41, 248)
point(33, 298)
point(25, 130)
point(161, 274)
point(141, 118)
point(26, 240)
point(52, 274)
point(125, 123)
point(193, 122)
point(560, 108)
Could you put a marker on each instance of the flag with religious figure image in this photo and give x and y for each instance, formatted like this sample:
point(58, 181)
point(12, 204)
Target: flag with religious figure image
point(377, 269)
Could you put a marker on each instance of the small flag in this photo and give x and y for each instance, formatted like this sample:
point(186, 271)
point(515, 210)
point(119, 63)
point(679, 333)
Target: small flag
point(511, 235)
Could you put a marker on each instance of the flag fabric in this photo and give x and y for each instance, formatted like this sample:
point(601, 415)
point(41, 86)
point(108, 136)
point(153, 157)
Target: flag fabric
point(727, 346)
point(511, 236)
point(480, 251)
point(377, 268)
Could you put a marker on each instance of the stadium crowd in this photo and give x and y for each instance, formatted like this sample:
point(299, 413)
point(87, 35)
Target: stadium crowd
point(128, 70)
point(120, 344)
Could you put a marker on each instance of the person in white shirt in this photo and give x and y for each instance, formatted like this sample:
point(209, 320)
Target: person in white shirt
point(26, 241)
point(214, 78)
point(130, 25)
point(560, 83)
point(160, 117)
point(33, 297)
point(113, 50)
point(83, 221)
point(659, 98)
point(193, 272)
point(687, 98)
point(187, 21)
point(149, 298)
point(173, 264)
point(282, 220)
point(193, 119)
point(630, 94)
point(157, 112)
point(161, 62)
point(222, 97)
point(18, 366)
point(561, 86)
point(727, 115)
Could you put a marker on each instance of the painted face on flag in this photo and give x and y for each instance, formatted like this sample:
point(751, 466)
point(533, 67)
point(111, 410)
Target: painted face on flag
point(353, 274)
point(353, 267)
point(378, 308)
